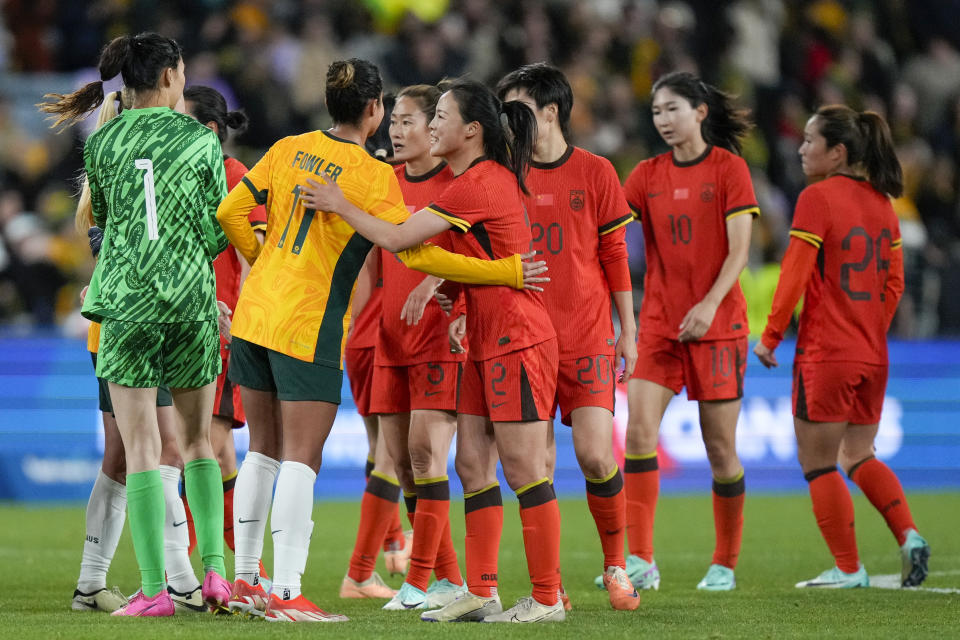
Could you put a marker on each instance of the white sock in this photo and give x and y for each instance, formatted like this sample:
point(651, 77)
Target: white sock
point(291, 527)
point(176, 537)
point(251, 506)
point(106, 512)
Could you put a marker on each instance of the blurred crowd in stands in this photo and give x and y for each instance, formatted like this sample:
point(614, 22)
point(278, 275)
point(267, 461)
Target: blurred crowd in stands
point(783, 58)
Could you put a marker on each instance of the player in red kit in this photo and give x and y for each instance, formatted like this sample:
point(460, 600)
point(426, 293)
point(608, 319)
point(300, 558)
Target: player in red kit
point(845, 259)
point(577, 217)
point(509, 381)
point(696, 204)
point(416, 375)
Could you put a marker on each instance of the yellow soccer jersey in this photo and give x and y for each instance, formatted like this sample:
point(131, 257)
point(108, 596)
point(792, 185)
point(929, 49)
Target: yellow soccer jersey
point(297, 297)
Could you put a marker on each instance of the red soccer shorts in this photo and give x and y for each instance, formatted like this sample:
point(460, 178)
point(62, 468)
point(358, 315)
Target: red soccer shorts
point(710, 369)
point(226, 402)
point(587, 381)
point(431, 385)
point(514, 387)
point(839, 391)
point(359, 366)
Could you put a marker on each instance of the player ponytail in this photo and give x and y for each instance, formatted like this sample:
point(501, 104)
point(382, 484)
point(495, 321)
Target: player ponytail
point(509, 128)
point(113, 103)
point(351, 85)
point(139, 60)
point(868, 142)
point(725, 123)
point(208, 105)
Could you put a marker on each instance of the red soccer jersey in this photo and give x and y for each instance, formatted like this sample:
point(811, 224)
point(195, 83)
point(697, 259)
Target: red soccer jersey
point(484, 204)
point(684, 208)
point(399, 344)
point(226, 266)
point(577, 214)
point(852, 293)
point(366, 325)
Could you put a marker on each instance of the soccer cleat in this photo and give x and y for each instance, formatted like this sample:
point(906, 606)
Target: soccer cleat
point(564, 598)
point(140, 606)
point(398, 559)
point(216, 592)
point(623, 595)
point(409, 597)
point(718, 578)
point(466, 608)
point(263, 579)
point(644, 575)
point(100, 600)
point(836, 579)
point(247, 599)
point(298, 609)
point(440, 593)
point(191, 602)
point(529, 610)
point(372, 587)
point(914, 553)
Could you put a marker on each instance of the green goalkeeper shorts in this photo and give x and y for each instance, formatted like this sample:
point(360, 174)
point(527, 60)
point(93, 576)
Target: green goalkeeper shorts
point(180, 355)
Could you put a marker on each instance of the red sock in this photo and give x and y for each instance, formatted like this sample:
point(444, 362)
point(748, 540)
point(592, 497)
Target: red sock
point(446, 565)
point(228, 485)
point(191, 532)
point(540, 516)
point(607, 503)
point(833, 509)
point(379, 498)
point(642, 483)
point(728, 520)
point(433, 511)
point(483, 513)
point(393, 539)
point(879, 483)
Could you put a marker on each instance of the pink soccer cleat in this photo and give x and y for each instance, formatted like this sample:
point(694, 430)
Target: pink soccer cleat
point(216, 592)
point(140, 606)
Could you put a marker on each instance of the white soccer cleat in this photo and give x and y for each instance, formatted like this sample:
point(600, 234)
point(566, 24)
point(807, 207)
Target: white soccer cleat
point(836, 579)
point(529, 610)
point(108, 600)
point(409, 597)
point(442, 592)
point(466, 608)
point(191, 602)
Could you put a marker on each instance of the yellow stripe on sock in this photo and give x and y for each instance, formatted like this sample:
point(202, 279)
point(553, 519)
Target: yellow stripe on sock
point(409, 494)
point(229, 477)
point(606, 478)
point(527, 487)
point(385, 478)
point(641, 456)
point(431, 480)
point(736, 478)
point(476, 493)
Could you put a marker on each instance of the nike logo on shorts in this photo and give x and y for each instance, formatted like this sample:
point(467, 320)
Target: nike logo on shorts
point(177, 524)
point(497, 405)
point(242, 521)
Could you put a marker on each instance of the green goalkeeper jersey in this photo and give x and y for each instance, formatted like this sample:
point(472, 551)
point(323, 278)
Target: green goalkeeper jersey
point(156, 179)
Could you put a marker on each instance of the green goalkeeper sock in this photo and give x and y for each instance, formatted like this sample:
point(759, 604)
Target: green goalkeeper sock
point(205, 495)
point(146, 511)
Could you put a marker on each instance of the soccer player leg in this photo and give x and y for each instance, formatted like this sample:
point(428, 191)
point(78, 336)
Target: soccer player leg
point(821, 401)
point(657, 377)
point(713, 372)
point(379, 503)
point(309, 397)
point(105, 514)
point(476, 465)
point(433, 397)
point(877, 481)
point(133, 376)
point(520, 388)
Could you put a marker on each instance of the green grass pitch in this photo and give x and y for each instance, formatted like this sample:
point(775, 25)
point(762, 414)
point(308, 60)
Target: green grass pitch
point(40, 550)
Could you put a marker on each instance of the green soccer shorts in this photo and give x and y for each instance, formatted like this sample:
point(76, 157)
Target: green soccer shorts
point(179, 355)
point(263, 369)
